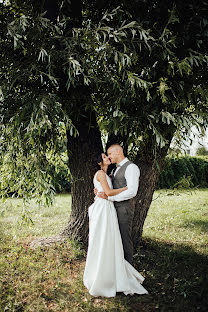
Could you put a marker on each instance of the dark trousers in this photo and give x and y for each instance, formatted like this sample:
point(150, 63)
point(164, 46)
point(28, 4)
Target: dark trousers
point(125, 226)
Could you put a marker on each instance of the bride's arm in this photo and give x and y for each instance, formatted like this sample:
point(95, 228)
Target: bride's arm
point(101, 177)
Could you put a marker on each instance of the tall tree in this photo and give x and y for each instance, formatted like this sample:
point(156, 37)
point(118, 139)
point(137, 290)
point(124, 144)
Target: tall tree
point(171, 89)
point(49, 70)
point(136, 73)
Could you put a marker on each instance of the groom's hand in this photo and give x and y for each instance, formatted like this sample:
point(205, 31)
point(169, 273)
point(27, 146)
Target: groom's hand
point(102, 195)
point(95, 191)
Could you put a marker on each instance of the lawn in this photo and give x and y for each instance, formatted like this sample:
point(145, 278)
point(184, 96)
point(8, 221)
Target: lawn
point(173, 258)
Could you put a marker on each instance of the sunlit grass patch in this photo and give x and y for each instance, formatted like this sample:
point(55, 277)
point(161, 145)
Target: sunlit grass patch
point(172, 258)
point(180, 218)
point(46, 221)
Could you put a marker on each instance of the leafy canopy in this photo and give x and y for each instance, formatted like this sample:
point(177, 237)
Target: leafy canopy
point(44, 67)
point(142, 75)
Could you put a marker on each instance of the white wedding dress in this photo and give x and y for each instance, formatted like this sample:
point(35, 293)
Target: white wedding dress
point(106, 271)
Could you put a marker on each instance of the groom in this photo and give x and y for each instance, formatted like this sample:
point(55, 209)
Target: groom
point(126, 174)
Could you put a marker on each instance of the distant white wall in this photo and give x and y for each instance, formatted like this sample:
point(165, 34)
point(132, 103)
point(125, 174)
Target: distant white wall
point(197, 141)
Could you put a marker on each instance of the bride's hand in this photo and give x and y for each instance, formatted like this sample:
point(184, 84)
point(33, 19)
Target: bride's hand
point(102, 195)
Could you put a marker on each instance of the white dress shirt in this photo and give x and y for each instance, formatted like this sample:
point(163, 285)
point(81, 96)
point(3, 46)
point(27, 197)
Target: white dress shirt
point(132, 174)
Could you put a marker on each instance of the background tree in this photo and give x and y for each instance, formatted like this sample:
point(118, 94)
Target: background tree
point(137, 73)
point(202, 151)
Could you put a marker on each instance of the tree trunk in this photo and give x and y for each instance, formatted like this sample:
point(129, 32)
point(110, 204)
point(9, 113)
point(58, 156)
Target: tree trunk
point(82, 150)
point(148, 178)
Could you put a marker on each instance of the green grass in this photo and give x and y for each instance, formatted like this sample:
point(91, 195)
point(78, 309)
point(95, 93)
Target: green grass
point(173, 259)
point(47, 220)
point(179, 218)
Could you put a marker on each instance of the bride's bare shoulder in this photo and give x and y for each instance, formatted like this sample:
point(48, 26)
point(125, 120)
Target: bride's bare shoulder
point(99, 174)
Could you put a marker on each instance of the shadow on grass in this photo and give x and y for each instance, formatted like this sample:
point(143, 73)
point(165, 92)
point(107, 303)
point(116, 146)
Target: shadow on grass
point(202, 225)
point(175, 276)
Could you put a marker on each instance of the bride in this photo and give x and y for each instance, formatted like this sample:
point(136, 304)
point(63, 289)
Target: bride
point(106, 271)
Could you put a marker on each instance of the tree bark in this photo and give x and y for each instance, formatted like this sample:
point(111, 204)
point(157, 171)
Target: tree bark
point(149, 174)
point(82, 150)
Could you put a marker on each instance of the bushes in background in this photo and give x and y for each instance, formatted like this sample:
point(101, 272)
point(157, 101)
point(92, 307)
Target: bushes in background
point(184, 172)
point(62, 182)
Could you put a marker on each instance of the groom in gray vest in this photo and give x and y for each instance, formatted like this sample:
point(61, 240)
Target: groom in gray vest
point(126, 174)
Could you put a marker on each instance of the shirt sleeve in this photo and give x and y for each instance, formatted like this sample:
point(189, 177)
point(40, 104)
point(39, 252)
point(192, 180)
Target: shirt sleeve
point(132, 175)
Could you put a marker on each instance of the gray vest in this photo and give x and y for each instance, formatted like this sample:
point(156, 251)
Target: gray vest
point(119, 181)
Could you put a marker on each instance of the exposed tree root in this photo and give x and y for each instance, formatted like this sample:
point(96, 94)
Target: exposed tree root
point(47, 241)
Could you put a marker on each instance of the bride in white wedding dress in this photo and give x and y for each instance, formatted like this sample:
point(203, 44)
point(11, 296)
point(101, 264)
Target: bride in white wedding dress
point(106, 271)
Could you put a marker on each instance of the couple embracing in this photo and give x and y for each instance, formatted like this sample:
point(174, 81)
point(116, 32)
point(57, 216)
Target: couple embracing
point(109, 260)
